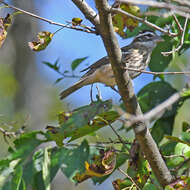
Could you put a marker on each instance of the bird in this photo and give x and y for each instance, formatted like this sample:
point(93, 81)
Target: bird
point(135, 56)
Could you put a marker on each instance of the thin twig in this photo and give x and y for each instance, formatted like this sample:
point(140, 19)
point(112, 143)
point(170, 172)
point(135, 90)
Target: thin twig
point(91, 94)
point(183, 2)
point(113, 142)
point(181, 41)
point(159, 73)
point(176, 9)
point(116, 10)
point(175, 156)
point(180, 165)
point(156, 112)
point(47, 20)
point(129, 177)
point(99, 92)
point(7, 134)
point(102, 146)
point(178, 24)
point(118, 136)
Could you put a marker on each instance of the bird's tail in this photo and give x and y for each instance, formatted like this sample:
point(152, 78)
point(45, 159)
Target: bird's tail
point(76, 86)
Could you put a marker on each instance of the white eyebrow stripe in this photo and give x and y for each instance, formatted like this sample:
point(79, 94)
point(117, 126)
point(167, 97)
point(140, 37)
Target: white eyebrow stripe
point(144, 34)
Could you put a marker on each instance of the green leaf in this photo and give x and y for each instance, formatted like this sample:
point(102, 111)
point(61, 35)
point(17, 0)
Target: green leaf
point(149, 186)
point(185, 136)
point(180, 149)
point(55, 66)
point(6, 170)
point(77, 62)
point(72, 164)
point(158, 62)
point(28, 172)
point(162, 127)
point(168, 148)
point(186, 93)
point(46, 169)
point(58, 80)
point(176, 139)
point(24, 145)
point(121, 184)
point(155, 93)
point(88, 119)
point(83, 121)
point(17, 178)
point(37, 181)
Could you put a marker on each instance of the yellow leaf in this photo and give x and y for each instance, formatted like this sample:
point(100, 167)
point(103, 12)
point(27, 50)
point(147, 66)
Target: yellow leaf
point(103, 164)
point(64, 116)
point(121, 22)
point(44, 38)
point(4, 24)
point(76, 21)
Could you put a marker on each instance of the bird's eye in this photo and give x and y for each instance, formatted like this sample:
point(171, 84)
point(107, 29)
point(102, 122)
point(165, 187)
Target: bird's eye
point(150, 35)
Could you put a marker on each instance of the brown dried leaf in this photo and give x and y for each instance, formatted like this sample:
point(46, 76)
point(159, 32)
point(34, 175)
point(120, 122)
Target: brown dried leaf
point(4, 25)
point(103, 164)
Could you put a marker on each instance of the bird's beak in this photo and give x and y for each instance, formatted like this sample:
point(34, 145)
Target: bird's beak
point(158, 39)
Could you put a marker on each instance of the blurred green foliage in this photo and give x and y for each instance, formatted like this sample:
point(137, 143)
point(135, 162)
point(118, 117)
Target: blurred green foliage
point(28, 165)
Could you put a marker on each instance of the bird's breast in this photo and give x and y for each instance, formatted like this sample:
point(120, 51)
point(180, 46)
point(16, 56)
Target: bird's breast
point(105, 75)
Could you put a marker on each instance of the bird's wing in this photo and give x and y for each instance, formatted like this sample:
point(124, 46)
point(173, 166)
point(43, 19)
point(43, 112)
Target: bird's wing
point(93, 67)
point(102, 61)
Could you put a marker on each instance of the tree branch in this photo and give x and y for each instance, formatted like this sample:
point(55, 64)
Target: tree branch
point(181, 10)
point(160, 73)
point(47, 20)
point(116, 10)
point(156, 112)
point(126, 91)
point(88, 12)
point(181, 41)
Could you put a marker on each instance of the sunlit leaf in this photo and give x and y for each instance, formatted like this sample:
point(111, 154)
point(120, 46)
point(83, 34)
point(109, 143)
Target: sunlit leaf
point(76, 21)
point(77, 62)
point(84, 120)
point(181, 183)
point(43, 40)
point(121, 22)
point(46, 169)
point(177, 139)
point(17, 179)
point(71, 163)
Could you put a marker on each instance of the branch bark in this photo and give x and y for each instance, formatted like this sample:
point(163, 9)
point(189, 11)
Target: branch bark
point(126, 91)
point(88, 12)
point(104, 24)
point(170, 6)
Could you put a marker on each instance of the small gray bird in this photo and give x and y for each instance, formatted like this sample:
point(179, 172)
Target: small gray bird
point(136, 56)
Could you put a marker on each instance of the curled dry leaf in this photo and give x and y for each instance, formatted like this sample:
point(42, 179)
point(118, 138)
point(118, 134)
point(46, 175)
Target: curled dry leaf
point(103, 164)
point(44, 38)
point(4, 25)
